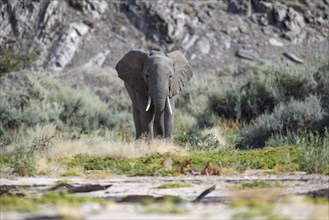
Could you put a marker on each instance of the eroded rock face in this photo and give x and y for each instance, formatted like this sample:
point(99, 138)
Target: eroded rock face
point(212, 34)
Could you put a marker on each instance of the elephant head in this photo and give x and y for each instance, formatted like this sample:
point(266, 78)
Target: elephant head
point(155, 77)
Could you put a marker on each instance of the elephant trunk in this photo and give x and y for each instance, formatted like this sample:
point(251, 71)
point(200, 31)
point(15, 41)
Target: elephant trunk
point(159, 105)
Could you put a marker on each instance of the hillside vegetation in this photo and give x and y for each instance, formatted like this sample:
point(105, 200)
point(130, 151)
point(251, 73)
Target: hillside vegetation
point(285, 107)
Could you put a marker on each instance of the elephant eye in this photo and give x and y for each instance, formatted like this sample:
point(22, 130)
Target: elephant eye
point(147, 76)
point(170, 76)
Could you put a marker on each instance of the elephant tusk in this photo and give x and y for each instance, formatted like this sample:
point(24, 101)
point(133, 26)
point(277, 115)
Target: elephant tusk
point(169, 106)
point(148, 103)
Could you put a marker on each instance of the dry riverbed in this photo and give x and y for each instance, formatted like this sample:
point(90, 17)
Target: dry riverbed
point(248, 195)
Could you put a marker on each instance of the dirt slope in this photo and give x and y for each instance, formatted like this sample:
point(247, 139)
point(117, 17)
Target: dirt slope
point(212, 33)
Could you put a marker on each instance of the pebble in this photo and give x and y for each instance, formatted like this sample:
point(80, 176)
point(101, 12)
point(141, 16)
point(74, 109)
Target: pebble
point(293, 57)
point(275, 42)
point(247, 54)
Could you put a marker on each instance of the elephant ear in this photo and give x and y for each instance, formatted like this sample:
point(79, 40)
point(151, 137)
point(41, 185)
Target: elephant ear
point(130, 70)
point(183, 72)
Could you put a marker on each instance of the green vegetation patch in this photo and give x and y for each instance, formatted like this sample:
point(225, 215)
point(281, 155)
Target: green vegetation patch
point(11, 61)
point(167, 164)
point(64, 181)
point(279, 159)
point(165, 208)
point(241, 160)
point(250, 209)
point(144, 166)
point(312, 150)
point(168, 204)
point(171, 165)
point(67, 198)
point(317, 201)
point(31, 98)
point(256, 184)
point(173, 185)
point(15, 203)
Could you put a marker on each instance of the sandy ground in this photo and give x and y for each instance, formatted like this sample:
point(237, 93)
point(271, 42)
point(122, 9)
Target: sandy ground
point(288, 201)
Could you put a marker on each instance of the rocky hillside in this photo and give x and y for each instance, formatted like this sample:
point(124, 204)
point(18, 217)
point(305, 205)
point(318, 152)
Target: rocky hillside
point(212, 33)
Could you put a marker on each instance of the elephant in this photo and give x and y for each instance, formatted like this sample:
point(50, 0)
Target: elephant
point(152, 80)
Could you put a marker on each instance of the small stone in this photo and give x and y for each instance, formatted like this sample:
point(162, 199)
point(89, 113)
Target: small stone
point(280, 12)
point(203, 45)
point(233, 7)
point(247, 54)
point(267, 31)
point(244, 29)
point(98, 59)
point(293, 57)
point(275, 42)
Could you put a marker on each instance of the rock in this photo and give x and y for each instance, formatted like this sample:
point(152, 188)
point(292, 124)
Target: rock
point(95, 7)
point(244, 28)
point(293, 57)
point(98, 59)
point(295, 21)
point(233, 6)
point(275, 42)
point(203, 45)
point(290, 21)
point(189, 41)
point(72, 33)
point(247, 54)
point(280, 13)
point(267, 31)
point(67, 46)
point(261, 6)
point(239, 6)
point(226, 42)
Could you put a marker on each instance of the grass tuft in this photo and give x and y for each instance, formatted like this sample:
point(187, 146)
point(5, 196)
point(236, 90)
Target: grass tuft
point(173, 185)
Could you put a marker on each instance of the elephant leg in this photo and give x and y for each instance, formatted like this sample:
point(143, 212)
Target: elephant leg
point(137, 122)
point(147, 120)
point(169, 119)
point(135, 99)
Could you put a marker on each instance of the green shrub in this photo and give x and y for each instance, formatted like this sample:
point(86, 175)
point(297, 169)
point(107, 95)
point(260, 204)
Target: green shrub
point(294, 116)
point(34, 98)
point(322, 78)
point(31, 143)
point(269, 86)
point(276, 100)
point(184, 122)
point(196, 140)
point(11, 61)
point(80, 109)
point(312, 149)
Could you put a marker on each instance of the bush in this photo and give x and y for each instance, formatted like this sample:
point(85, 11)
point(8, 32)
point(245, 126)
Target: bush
point(278, 99)
point(184, 122)
point(34, 98)
point(33, 142)
point(293, 116)
point(269, 86)
point(11, 61)
point(312, 149)
point(80, 109)
point(196, 140)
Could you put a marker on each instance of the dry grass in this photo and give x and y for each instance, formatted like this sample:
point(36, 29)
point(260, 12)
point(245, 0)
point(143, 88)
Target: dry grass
point(106, 146)
point(218, 134)
point(62, 146)
point(98, 147)
point(231, 125)
point(110, 148)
